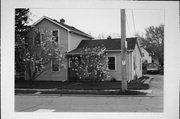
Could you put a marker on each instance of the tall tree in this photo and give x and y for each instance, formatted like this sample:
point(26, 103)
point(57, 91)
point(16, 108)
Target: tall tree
point(21, 28)
point(153, 42)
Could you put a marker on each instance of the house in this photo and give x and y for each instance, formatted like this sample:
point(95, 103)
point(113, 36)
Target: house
point(146, 57)
point(67, 37)
point(113, 50)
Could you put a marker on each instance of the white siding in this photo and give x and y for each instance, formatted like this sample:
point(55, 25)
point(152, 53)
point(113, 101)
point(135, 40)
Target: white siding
point(117, 73)
point(74, 40)
point(146, 56)
point(138, 62)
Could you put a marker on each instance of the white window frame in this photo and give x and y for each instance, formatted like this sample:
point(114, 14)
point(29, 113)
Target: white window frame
point(58, 34)
point(114, 61)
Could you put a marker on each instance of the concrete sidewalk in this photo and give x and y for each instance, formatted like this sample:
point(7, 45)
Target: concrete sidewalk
point(147, 81)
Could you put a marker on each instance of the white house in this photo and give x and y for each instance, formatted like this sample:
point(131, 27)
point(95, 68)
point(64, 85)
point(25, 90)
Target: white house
point(67, 37)
point(113, 50)
point(146, 56)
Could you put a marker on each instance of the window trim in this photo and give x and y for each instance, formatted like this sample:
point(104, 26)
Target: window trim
point(114, 62)
point(58, 34)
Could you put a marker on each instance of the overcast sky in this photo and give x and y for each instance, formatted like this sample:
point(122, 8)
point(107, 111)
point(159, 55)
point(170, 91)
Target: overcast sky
point(104, 21)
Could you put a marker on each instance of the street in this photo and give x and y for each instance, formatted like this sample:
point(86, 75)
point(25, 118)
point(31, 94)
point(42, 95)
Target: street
point(152, 102)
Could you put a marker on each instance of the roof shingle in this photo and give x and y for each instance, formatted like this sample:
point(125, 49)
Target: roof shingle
point(110, 44)
point(73, 29)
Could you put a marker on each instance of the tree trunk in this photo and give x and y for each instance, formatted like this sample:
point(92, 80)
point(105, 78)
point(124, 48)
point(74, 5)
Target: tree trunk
point(29, 71)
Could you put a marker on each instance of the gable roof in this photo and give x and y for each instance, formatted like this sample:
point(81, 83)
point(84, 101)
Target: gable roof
point(110, 44)
point(69, 28)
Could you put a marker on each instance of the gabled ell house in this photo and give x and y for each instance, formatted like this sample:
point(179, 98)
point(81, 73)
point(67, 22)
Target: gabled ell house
point(113, 50)
point(67, 37)
point(72, 40)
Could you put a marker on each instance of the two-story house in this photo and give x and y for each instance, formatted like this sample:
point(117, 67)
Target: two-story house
point(67, 37)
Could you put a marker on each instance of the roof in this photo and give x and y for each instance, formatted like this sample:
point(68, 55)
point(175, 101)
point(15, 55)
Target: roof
point(65, 26)
point(109, 44)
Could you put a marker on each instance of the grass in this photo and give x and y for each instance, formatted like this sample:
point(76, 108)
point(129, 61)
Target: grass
point(95, 88)
point(106, 85)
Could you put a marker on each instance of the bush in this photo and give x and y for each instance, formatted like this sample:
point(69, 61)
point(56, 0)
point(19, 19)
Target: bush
point(135, 77)
point(113, 79)
point(91, 65)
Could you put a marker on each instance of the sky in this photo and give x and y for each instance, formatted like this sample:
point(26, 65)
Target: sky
point(104, 21)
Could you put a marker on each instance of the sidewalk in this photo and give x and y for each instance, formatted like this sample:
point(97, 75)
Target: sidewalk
point(95, 88)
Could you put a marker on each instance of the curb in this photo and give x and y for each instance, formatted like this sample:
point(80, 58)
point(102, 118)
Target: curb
point(86, 95)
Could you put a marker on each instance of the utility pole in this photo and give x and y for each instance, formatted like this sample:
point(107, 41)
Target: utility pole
point(123, 51)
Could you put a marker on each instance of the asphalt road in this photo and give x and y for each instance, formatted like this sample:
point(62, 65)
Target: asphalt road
point(153, 102)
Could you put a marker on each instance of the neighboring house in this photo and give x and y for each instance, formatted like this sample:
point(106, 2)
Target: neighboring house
point(113, 50)
point(155, 61)
point(67, 37)
point(146, 58)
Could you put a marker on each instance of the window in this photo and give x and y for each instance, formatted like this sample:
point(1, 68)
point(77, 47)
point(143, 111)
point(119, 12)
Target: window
point(111, 63)
point(134, 62)
point(37, 39)
point(71, 63)
point(55, 65)
point(42, 36)
point(55, 35)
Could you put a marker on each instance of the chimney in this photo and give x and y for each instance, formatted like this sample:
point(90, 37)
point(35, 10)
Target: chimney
point(62, 21)
point(109, 37)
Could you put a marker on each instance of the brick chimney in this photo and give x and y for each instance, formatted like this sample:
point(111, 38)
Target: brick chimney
point(62, 21)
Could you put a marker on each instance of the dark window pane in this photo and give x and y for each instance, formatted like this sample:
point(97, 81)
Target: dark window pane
point(55, 34)
point(112, 66)
point(111, 63)
point(55, 66)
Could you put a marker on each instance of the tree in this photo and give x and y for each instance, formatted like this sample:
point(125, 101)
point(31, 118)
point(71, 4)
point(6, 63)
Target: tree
point(153, 42)
point(38, 55)
point(21, 28)
point(33, 56)
point(91, 65)
point(101, 36)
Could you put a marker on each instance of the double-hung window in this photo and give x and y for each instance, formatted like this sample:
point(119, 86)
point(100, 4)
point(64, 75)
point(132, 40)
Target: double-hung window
point(112, 63)
point(55, 36)
point(55, 62)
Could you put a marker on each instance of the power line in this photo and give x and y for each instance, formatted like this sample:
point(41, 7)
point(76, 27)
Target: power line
point(128, 25)
point(133, 21)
